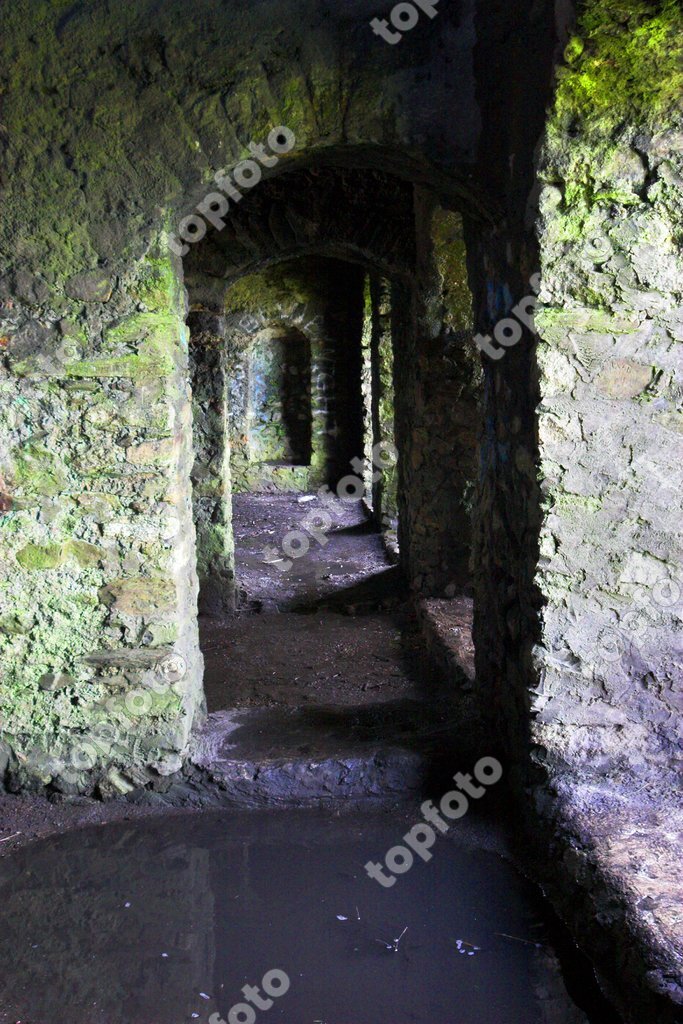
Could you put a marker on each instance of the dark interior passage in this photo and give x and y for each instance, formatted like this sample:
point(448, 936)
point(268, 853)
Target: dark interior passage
point(321, 418)
point(317, 662)
point(339, 425)
point(281, 401)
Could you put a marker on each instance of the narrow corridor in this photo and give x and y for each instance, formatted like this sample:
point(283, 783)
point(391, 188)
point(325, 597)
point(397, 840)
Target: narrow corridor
point(320, 663)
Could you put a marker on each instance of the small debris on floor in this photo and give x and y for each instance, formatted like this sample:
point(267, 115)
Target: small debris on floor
point(462, 947)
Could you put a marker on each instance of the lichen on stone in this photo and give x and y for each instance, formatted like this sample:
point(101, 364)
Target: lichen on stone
point(624, 63)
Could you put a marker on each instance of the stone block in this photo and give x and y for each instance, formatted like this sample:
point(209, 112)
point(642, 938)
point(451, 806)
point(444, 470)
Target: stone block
point(89, 286)
point(140, 597)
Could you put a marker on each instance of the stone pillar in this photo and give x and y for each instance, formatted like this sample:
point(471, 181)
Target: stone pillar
point(211, 475)
point(438, 404)
point(98, 637)
point(385, 488)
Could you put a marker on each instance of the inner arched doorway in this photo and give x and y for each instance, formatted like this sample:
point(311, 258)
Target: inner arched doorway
point(361, 332)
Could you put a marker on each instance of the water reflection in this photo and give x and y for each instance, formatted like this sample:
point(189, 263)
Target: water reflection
point(164, 922)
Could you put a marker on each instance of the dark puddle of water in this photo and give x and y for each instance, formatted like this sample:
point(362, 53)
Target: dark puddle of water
point(131, 924)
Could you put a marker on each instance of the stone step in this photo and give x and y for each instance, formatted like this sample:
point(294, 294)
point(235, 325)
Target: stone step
point(307, 757)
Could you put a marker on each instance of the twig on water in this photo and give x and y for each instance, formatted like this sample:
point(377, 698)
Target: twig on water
point(516, 938)
point(393, 945)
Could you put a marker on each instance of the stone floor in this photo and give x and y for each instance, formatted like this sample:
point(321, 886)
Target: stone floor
point(318, 687)
point(345, 568)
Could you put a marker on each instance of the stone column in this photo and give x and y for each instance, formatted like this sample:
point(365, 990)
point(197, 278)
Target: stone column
point(98, 636)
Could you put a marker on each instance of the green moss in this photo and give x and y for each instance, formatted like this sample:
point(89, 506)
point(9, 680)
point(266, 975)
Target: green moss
point(140, 596)
point(258, 476)
point(312, 101)
point(214, 547)
point(157, 337)
point(15, 625)
point(88, 556)
point(557, 586)
point(451, 260)
point(570, 503)
point(561, 319)
point(163, 706)
point(626, 62)
point(38, 472)
point(624, 73)
point(143, 326)
point(34, 557)
point(157, 286)
point(50, 556)
point(55, 205)
point(133, 367)
point(270, 291)
point(70, 621)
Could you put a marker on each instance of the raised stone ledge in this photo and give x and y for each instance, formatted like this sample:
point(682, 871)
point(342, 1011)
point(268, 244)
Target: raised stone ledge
point(614, 875)
point(447, 628)
point(134, 658)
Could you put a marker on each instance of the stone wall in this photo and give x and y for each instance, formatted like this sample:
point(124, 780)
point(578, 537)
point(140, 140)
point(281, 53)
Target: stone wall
point(577, 616)
point(438, 404)
point(99, 645)
point(282, 402)
point(211, 473)
point(610, 323)
point(270, 418)
point(385, 487)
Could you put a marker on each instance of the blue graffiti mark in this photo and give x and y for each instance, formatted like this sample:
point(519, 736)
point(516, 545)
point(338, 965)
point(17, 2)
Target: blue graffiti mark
point(491, 300)
point(498, 300)
point(492, 452)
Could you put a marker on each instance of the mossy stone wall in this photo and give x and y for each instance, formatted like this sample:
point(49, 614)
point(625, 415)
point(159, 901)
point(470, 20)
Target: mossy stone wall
point(114, 120)
point(610, 324)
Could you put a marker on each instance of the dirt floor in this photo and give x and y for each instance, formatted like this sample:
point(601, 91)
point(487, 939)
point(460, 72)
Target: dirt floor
point(345, 566)
point(323, 662)
point(293, 659)
point(24, 819)
point(329, 630)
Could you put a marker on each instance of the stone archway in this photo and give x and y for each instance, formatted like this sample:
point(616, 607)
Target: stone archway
point(121, 124)
point(98, 532)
